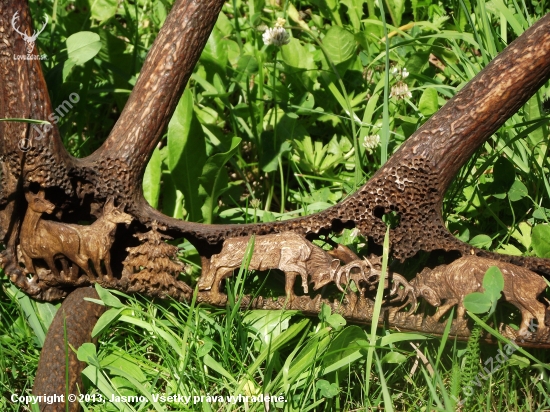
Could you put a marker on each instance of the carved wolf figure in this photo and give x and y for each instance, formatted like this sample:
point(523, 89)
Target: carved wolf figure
point(465, 275)
point(287, 251)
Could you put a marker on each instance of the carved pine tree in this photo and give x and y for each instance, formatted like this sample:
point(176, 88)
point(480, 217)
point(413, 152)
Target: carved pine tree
point(153, 267)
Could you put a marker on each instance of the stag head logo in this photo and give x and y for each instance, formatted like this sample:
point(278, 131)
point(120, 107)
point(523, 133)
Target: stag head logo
point(30, 40)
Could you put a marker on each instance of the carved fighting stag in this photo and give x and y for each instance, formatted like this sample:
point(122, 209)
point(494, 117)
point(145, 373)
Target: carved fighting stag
point(366, 276)
point(289, 252)
point(412, 183)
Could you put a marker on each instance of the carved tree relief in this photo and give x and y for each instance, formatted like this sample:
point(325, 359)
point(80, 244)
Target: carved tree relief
point(44, 192)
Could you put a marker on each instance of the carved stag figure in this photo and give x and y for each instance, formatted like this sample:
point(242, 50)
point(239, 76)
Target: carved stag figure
point(363, 272)
point(48, 240)
point(452, 282)
point(289, 252)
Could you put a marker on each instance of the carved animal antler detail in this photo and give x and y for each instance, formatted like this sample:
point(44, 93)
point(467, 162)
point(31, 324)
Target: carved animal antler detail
point(30, 40)
point(412, 183)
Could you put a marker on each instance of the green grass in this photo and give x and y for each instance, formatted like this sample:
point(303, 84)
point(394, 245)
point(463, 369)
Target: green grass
point(285, 129)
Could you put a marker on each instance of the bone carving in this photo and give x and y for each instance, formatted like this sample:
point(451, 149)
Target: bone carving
point(48, 240)
point(287, 251)
point(452, 282)
point(368, 278)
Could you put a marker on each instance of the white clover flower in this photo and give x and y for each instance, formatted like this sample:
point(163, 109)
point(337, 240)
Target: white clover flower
point(404, 73)
point(400, 91)
point(276, 36)
point(371, 142)
point(255, 203)
point(280, 22)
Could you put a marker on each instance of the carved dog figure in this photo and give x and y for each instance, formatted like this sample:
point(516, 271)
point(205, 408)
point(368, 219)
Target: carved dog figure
point(47, 240)
point(465, 275)
point(97, 238)
point(287, 251)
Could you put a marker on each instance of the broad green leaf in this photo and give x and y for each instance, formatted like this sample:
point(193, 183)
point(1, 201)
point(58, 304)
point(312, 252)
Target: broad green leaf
point(295, 55)
point(493, 283)
point(355, 12)
point(187, 155)
point(126, 364)
point(46, 312)
point(477, 302)
point(336, 321)
point(339, 44)
point(103, 10)
point(400, 337)
point(215, 52)
point(428, 102)
point(520, 361)
point(83, 46)
point(541, 213)
point(151, 179)
point(481, 241)
point(246, 65)
point(29, 309)
point(541, 241)
point(342, 347)
point(216, 366)
point(523, 234)
point(509, 250)
point(107, 297)
point(504, 175)
point(87, 353)
point(205, 348)
point(518, 191)
point(105, 320)
point(396, 9)
point(394, 357)
point(100, 382)
point(267, 324)
point(214, 181)
point(327, 389)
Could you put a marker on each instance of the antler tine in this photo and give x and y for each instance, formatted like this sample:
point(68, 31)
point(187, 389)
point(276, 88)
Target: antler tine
point(35, 34)
point(13, 22)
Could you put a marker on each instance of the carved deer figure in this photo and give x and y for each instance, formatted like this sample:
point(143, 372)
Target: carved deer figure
point(287, 251)
point(30, 40)
point(47, 240)
point(97, 238)
point(465, 275)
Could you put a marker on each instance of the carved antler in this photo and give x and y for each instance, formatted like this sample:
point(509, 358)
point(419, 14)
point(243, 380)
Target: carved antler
point(412, 183)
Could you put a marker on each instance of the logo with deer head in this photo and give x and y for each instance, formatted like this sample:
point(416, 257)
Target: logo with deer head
point(30, 40)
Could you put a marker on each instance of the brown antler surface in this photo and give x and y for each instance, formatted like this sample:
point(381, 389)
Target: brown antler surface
point(412, 183)
point(59, 368)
